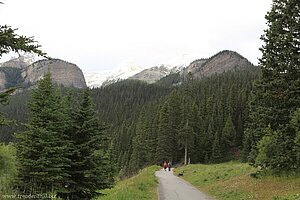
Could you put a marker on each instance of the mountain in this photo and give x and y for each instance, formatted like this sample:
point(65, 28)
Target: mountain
point(24, 71)
point(63, 73)
point(103, 78)
point(156, 73)
point(152, 74)
point(185, 64)
point(221, 62)
point(129, 70)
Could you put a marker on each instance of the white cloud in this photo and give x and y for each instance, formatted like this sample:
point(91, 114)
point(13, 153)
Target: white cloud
point(100, 34)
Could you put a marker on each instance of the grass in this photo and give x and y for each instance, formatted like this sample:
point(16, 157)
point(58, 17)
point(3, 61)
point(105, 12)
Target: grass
point(140, 187)
point(8, 168)
point(232, 181)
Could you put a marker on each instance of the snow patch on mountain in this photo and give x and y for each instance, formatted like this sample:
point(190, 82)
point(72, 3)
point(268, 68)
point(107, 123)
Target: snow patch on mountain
point(25, 58)
point(128, 69)
point(123, 71)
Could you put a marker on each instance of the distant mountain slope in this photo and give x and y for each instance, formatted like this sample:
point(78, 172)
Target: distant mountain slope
point(223, 61)
point(106, 77)
point(152, 74)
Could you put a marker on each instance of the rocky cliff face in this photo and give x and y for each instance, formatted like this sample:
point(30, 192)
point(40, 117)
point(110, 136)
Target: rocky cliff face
point(217, 64)
point(25, 71)
point(63, 73)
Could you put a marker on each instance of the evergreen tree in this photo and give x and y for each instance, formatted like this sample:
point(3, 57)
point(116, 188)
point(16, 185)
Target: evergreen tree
point(276, 94)
point(295, 123)
point(216, 149)
point(42, 151)
point(139, 145)
point(90, 163)
point(228, 134)
point(168, 128)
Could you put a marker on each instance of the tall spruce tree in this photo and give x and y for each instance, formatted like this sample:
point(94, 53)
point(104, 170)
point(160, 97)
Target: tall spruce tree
point(90, 163)
point(42, 151)
point(276, 95)
point(139, 145)
point(168, 128)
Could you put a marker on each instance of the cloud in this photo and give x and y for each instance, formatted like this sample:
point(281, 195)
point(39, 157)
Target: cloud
point(100, 34)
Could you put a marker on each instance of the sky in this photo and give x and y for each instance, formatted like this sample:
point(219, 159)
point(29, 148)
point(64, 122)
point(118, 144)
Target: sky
point(100, 34)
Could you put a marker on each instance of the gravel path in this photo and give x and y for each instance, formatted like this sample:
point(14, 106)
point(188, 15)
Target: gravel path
point(171, 187)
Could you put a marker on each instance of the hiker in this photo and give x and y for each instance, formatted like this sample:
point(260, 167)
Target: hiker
point(165, 165)
point(169, 165)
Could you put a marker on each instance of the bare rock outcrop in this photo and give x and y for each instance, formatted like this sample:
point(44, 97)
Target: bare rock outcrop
point(63, 73)
point(221, 62)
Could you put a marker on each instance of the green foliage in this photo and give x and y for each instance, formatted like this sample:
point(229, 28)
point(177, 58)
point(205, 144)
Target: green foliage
point(13, 76)
point(268, 149)
point(229, 133)
point(276, 95)
point(169, 80)
point(42, 150)
point(295, 123)
point(16, 112)
point(147, 122)
point(64, 150)
point(90, 167)
point(216, 149)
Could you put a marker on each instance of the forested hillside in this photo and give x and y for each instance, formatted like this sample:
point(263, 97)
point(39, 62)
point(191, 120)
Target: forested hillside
point(151, 123)
point(204, 119)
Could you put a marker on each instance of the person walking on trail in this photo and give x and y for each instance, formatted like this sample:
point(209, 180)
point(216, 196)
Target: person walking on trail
point(169, 166)
point(165, 165)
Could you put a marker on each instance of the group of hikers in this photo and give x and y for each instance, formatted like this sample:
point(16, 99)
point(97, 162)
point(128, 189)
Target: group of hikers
point(167, 165)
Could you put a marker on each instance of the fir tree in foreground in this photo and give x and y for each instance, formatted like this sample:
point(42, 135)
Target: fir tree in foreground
point(270, 138)
point(91, 169)
point(42, 151)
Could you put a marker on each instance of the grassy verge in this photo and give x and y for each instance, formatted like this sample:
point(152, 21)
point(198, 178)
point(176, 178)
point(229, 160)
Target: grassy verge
point(140, 187)
point(232, 181)
point(8, 169)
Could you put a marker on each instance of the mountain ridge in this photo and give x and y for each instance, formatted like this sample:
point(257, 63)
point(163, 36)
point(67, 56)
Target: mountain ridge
point(220, 62)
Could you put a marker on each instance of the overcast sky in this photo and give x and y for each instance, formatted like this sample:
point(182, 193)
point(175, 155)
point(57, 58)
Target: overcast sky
point(100, 34)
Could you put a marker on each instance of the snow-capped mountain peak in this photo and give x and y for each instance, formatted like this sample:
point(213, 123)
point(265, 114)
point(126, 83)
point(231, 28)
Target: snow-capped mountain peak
point(124, 70)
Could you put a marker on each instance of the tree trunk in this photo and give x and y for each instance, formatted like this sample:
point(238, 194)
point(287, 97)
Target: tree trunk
point(185, 153)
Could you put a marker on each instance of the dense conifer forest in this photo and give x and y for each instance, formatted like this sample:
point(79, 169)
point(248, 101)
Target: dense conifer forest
point(151, 123)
